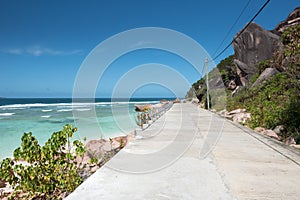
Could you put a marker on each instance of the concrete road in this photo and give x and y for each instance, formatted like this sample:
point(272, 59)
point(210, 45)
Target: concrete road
point(191, 153)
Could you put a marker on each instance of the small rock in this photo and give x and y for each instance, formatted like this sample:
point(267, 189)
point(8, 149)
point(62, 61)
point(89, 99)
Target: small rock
point(223, 112)
point(177, 100)
point(297, 146)
point(290, 141)
point(2, 184)
point(94, 169)
point(259, 129)
point(213, 110)
point(271, 134)
point(130, 137)
point(241, 117)
point(279, 129)
point(164, 101)
point(119, 142)
point(201, 105)
point(195, 100)
point(232, 85)
point(107, 146)
point(240, 110)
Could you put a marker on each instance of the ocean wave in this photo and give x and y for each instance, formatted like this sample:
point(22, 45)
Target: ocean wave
point(49, 110)
point(134, 102)
point(64, 110)
point(83, 109)
point(103, 105)
point(71, 105)
point(46, 116)
point(12, 108)
point(6, 114)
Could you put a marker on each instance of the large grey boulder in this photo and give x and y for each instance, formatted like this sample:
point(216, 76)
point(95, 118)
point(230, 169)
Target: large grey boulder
point(244, 71)
point(265, 75)
point(255, 44)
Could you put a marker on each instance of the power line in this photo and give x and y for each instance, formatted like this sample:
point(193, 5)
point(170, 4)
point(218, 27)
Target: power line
point(242, 30)
point(238, 18)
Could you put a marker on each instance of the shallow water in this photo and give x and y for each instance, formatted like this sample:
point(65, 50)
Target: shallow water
point(42, 117)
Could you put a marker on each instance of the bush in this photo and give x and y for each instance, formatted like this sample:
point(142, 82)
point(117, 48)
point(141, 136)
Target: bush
point(49, 171)
point(262, 65)
point(275, 102)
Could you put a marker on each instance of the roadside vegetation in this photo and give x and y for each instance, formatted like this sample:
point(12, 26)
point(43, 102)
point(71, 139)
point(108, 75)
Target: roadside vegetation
point(276, 101)
point(44, 172)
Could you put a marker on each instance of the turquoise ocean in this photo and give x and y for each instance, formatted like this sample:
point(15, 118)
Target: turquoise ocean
point(43, 116)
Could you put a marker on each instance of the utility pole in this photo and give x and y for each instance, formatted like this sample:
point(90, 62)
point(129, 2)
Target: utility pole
point(207, 86)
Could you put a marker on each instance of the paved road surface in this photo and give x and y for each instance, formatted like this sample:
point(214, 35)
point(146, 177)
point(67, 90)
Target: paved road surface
point(172, 159)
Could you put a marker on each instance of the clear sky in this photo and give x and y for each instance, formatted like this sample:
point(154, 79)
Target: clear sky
point(43, 43)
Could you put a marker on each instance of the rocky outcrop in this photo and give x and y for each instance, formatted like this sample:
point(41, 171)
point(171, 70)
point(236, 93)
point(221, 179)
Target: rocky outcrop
point(265, 75)
point(255, 44)
point(291, 20)
point(244, 71)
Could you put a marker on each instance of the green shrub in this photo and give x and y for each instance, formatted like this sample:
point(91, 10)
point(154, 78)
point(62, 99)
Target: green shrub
point(272, 103)
point(49, 172)
point(262, 65)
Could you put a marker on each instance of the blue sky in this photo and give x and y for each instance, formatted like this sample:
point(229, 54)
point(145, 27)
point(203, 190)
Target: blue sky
point(43, 43)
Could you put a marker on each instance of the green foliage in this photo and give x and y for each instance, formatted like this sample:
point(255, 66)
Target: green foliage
point(272, 103)
point(198, 83)
point(262, 65)
point(288, 60)
point(291, 51)
point(227, 69)
point(49, 171)
point(226, 62)
point(291, 36)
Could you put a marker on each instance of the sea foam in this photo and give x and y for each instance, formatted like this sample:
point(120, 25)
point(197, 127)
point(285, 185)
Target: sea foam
point(49, 110)
point(46, 116)
point(6, 114)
